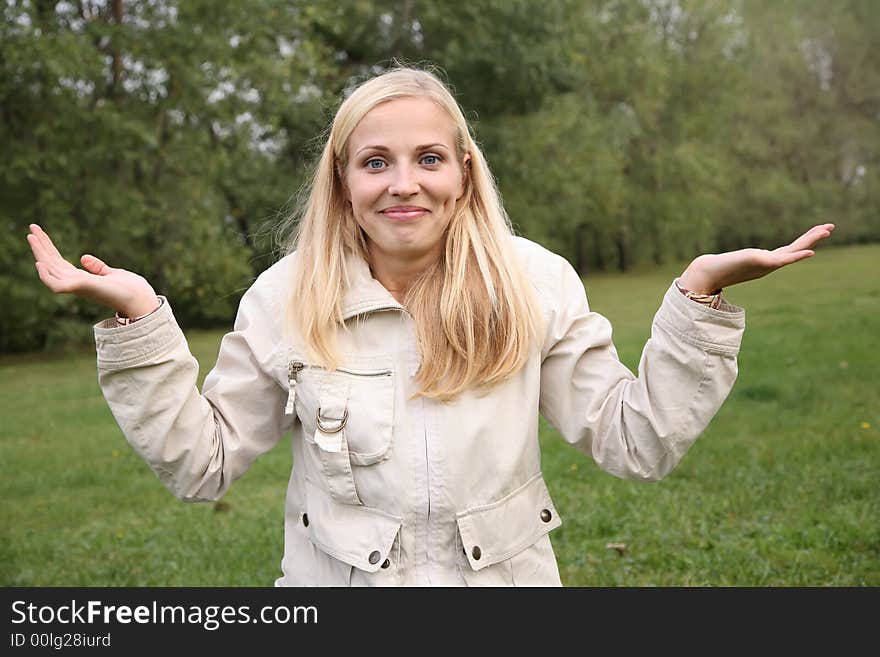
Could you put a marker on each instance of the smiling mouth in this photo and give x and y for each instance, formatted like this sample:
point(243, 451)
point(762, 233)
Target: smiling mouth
point(403, 214)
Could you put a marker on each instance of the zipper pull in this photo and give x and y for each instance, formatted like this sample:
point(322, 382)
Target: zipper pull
point(292, 370)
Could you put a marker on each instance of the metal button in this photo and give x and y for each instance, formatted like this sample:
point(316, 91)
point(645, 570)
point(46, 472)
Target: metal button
point(476, 553)
point(386, 563)
point(375, 556)
point(306, 519)
point(546, 515)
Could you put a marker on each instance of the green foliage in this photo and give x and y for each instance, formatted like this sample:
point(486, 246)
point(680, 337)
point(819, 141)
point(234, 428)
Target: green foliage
point(167, 137)
point(156, 138)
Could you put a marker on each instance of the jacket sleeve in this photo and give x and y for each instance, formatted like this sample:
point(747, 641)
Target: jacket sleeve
point(636, 428)
point(197, 444)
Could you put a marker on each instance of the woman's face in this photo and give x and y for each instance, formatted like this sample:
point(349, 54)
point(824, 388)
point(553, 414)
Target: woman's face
point(403, 178)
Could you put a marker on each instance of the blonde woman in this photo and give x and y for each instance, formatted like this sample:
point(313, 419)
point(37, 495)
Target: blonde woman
point(409, 341)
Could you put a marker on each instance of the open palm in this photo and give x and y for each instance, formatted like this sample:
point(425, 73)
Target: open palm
point(128, 293)
point(712, 272)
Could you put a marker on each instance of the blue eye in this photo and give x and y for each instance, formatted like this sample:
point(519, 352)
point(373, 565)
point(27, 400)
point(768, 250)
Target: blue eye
point(432, 157)
point(369, 163)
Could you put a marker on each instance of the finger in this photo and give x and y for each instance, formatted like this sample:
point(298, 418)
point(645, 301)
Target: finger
point(790, 258)
point(45, 251)
point(95, 265)
point(36, 248)
point(49, 252)
point(36, 244)
point(43, 273)
point(808, 239)
point(51, 281)
point(49, 261)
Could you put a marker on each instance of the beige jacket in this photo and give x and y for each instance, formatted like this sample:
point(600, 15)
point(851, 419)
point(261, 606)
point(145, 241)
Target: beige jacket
point(388, 490)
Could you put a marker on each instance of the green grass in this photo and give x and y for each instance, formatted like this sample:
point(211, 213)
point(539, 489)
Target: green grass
point(780, 490)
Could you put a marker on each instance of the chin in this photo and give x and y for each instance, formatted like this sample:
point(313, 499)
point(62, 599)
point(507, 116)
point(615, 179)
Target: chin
point(409, 249)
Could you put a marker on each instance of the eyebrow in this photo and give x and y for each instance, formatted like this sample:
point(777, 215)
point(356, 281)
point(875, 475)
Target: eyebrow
point(385, 149)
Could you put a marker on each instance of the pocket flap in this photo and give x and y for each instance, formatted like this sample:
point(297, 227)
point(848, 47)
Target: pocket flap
point(358, 535)
point(495, 532)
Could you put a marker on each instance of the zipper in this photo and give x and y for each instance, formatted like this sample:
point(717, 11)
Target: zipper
point(297, 366)
point(363, 372)
point(293, 368)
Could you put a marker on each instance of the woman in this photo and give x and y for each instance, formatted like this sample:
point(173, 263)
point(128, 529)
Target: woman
point(409, 341)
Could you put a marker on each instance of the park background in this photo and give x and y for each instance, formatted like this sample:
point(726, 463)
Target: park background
point(170, 138)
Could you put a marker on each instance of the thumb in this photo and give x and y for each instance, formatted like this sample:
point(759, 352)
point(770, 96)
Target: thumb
point(797, 256)
point(95, 265)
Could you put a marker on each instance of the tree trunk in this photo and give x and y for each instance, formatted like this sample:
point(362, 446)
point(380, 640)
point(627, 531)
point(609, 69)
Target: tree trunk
point(623, 256)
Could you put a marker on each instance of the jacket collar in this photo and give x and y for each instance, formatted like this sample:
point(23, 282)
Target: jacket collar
point(365, 294)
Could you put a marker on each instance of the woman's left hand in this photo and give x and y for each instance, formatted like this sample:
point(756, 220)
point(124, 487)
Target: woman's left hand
point(712, 272)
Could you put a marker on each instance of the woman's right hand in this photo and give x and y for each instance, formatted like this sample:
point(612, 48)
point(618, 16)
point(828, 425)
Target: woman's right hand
point(125, 292)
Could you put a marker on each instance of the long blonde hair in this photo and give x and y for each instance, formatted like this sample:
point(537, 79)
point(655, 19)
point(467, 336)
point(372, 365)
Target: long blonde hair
point(489, 318)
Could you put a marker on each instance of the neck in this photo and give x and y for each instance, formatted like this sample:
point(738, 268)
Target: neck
point(396, 273)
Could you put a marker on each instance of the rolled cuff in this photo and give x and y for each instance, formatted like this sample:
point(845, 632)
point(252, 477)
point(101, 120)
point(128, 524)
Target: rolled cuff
point(714, 330)
point(119, 347)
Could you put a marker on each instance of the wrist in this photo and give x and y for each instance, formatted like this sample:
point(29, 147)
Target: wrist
point(140, 307)
point(139, 310)
point(711, 300)
point(695, 280)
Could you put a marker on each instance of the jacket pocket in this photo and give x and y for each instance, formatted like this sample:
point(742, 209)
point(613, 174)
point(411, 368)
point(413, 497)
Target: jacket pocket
point(505, 543)
point(359, 536)
point(346, 409)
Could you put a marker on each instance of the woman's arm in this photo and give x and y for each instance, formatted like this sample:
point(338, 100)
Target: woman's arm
point(641, 427)
point(197, 444)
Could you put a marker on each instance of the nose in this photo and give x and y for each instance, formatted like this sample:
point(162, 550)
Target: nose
point(404, 182)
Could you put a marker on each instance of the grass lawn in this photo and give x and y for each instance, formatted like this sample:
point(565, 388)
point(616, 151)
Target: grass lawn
point(780, 490)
